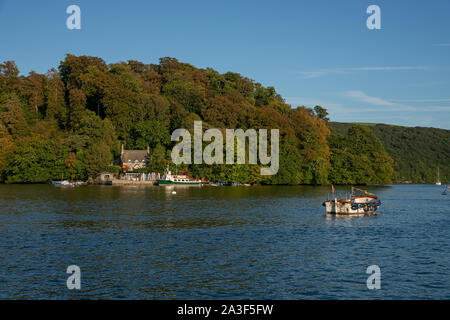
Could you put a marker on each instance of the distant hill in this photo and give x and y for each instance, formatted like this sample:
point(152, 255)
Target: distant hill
point(417, 151)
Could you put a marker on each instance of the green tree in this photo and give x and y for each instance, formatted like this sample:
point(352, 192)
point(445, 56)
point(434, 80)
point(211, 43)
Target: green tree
point(7, 149)
point(36, 161)
point(158, 159)
point(149, 133)
point(97, 158)
point(12, 115)
point(77, 107)
point(34, 92)
point(359, 158)
point(321, 113)
point(190, 95)
point(54, 96)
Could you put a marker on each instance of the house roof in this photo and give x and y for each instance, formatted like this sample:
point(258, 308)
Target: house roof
point(133, 155)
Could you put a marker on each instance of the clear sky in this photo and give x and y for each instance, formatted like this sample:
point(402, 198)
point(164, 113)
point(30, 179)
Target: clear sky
point(312, 52)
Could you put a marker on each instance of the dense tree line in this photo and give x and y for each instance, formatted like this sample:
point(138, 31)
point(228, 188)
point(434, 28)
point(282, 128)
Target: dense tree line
point(358, 157)
point(69, 123)
point(417, 152)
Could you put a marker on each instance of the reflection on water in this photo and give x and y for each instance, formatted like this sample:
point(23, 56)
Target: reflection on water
point(145, 242)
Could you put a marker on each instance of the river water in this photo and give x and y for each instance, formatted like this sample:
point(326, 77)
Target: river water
point(264, 242)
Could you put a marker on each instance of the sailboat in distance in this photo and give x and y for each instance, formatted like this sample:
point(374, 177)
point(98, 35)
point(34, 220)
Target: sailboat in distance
point(438, 182)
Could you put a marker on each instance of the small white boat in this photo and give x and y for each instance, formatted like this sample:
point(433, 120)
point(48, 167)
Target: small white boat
point(359, 202)
point(64, 183)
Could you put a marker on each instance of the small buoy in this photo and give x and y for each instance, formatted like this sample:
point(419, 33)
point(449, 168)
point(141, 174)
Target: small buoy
point(174, 192)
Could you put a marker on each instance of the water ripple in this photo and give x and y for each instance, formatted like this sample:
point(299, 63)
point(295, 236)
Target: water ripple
point(224, 243)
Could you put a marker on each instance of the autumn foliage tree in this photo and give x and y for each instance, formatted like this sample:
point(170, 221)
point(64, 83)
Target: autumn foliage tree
point(72, 120)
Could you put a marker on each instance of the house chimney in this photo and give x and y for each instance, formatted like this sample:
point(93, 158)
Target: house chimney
point(148, 149)
point(121, 151)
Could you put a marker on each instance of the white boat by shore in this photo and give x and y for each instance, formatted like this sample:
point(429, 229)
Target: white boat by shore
point(359, 202)
point(169, 179)
point(66, 183)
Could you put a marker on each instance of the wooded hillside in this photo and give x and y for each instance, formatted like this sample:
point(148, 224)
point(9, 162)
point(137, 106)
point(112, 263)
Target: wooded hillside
point(417, 151)
point(70, 123)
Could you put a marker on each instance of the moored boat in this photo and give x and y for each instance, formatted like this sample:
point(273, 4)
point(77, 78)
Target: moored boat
point(169, 179)
point(359, 202)
point(64, 183)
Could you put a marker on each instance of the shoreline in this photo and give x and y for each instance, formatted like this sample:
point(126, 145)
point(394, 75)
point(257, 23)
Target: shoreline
point(154, 183)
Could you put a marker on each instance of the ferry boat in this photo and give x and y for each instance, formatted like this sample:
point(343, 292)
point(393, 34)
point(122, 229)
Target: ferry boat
point(169, 179)
point(359, 202)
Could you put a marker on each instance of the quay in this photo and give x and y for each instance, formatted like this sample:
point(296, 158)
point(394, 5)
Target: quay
point(119, 182)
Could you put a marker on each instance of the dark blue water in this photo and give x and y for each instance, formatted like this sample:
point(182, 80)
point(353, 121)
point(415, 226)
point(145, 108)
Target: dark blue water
point(220, 242)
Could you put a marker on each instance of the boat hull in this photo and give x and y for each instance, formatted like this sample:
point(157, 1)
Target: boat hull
point(349, 208)
point(168, 182)
point(64, 183)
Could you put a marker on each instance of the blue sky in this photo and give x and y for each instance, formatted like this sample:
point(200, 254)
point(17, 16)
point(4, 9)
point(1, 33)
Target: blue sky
point(312, 52)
